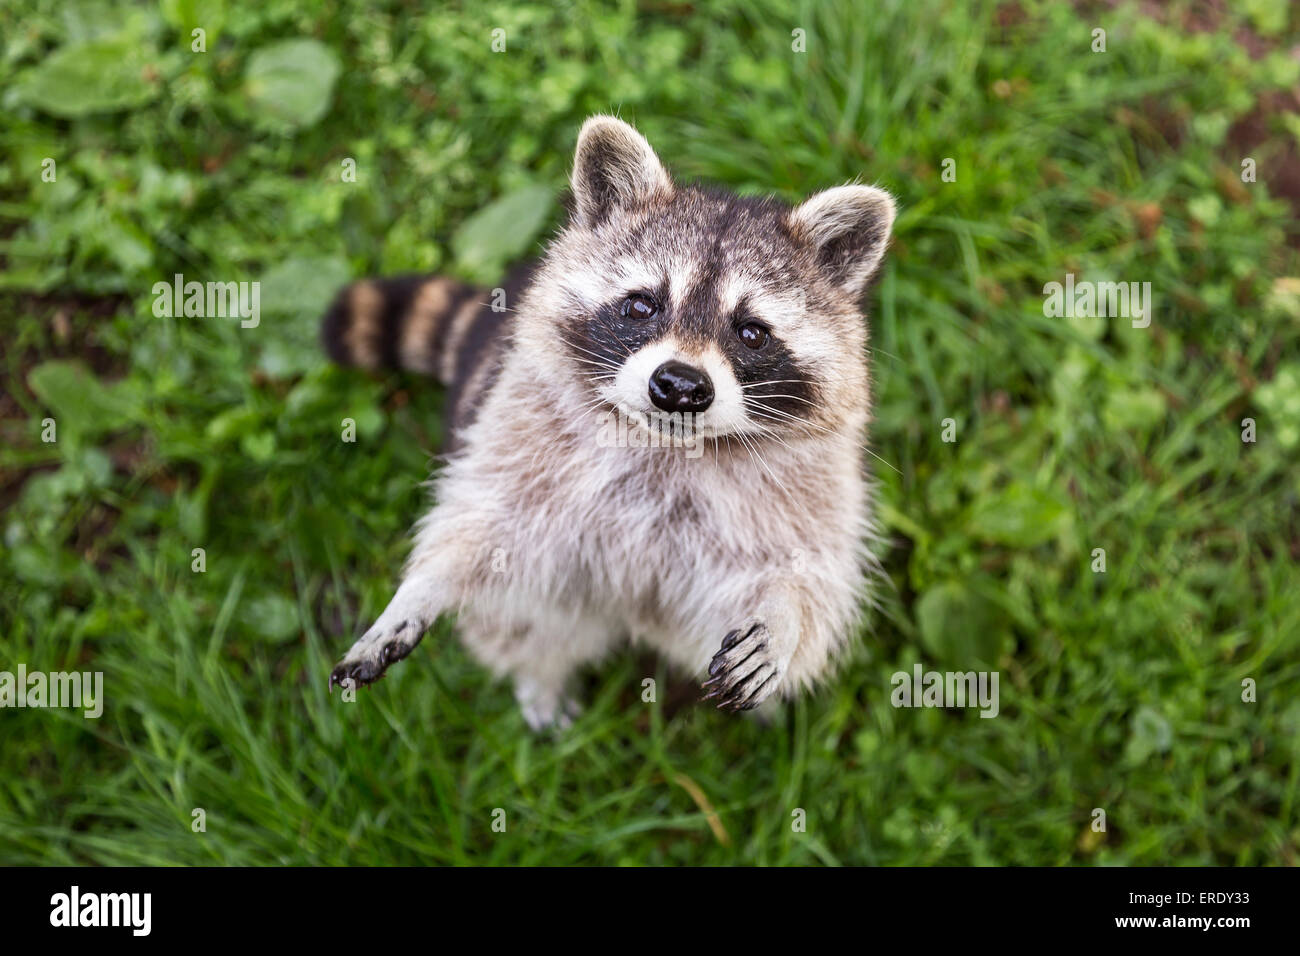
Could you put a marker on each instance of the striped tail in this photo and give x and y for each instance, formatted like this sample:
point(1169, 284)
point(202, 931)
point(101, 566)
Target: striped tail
point(425, 324)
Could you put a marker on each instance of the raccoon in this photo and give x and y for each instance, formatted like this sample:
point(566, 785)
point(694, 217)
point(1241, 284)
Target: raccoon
point(660, 440)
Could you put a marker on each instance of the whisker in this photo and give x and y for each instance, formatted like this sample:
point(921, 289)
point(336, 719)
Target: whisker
point(797, 398)
point(596, 355)
point(771, 381)
point(758, 457)
point(612, 368)
point(787, 418)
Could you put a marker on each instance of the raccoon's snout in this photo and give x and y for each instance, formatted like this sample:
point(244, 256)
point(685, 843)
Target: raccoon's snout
point(678, 387)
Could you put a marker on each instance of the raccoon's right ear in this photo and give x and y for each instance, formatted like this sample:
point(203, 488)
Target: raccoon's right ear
point(614, 167)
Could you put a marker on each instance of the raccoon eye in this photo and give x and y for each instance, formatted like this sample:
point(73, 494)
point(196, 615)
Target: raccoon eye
point(640, 306)
point(753, 335)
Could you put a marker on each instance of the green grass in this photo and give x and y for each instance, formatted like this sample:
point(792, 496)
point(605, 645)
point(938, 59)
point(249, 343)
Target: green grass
point(1120, 691)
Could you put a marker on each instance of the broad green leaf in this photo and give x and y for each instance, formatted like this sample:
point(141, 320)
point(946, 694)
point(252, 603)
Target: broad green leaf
point(188, 15)
point(233, 423)
point(294, 296)
point(1138, 409)
point(77, 400)
point(273, 616)
point(99, 76)
point(45, 566)
point(1280, 398)
point(959, 626)
point(1150, 733)
point(304, 285)
point(291, 83)
point(260, 446)
point(1019, 515)
point(501, 231)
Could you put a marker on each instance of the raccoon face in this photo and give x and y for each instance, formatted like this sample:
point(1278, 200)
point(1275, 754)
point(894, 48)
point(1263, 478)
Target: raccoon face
point(730, 315)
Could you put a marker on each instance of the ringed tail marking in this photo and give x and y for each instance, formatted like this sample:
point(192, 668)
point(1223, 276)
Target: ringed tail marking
point(419, 348)
point(456, 329)
point(410, 322)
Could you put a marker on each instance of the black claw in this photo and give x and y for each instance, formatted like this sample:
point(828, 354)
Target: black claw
point(739, 695)
point(360, 674)
point(368, 671)
point(722, 684)
point(751, 701)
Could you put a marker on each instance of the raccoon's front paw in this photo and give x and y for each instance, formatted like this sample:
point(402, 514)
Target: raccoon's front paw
point(746, 670)
point(382, 645)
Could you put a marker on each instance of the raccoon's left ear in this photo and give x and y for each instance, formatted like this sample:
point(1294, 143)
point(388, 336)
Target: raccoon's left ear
point(614, 167)
point(848, 226)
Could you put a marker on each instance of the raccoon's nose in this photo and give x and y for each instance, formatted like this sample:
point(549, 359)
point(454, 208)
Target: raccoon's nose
point(678, 387)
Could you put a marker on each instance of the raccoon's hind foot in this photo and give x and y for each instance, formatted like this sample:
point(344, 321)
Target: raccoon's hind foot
point(545, 707)
point(746, 670)
point(380, 647)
